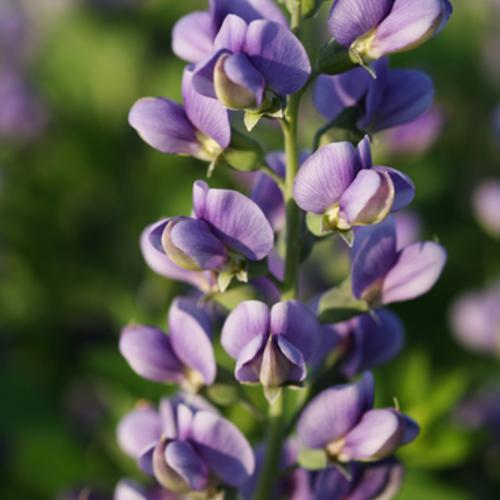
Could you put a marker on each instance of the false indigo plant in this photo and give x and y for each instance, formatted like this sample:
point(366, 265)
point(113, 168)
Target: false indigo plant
point(323, 437)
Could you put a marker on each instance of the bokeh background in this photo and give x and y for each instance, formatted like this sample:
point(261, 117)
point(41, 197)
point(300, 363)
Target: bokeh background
point(77, 186)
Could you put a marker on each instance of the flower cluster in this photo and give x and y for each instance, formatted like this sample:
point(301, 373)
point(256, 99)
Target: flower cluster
point(325, 439)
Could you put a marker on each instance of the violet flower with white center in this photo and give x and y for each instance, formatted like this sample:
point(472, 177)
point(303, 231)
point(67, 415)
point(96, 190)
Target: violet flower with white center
point(227, 230)
point(271, 346)
point(187, 446)
point(364, 342)
point(339, 183)
point(342, 422)
point(383, 273)
point(395, 97)
point(370, 29)
point(475, 320)
point(185, 356)
point(199, 128)
point(376, 480)
point(252, 64)
point(486, 204)
point(193, 35)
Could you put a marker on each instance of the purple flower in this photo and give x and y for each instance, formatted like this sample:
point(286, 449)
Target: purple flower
point(23, 117)
point(418, 136)
point(340, 183)
point(185, 356)
point(252, 63)
point(270, 346)
point(227, 230)
point(131, 490)
point(486, 202)
point(371, 29)
point(200, 128)
point(193, 35)
point(342, 422)
point(292, 485)
point(378, 480)
point(408, 228)
point(383, 273)
point(395, 97)
point(187, 446)
point(364, 342)
point(475, 320)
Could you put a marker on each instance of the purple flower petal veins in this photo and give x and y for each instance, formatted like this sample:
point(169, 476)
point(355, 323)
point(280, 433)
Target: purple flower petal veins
point(200, 128)
point(341, 421)
point(371, 29)
point(184, 357)
point(248, 59)
point(339, 183)
point(382, 273)
point(394, 98)
point(193, 35)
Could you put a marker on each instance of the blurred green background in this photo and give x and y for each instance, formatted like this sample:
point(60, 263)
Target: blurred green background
point(73, 204)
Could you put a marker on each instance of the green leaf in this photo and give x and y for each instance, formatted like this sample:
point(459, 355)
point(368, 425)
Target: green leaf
point(338, 304)
point(312, 459)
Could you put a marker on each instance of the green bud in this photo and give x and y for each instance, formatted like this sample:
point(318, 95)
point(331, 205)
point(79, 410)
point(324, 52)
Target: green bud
point(334, 58)
point(243, 154)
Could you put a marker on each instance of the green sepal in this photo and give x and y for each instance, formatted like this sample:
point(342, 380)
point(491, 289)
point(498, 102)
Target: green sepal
point(316, 224)
point(334, 58)
point(312, 459)
point(347, 236)
point(251, 119)
point(243, 153)
point(339, 304)
point(224, 279)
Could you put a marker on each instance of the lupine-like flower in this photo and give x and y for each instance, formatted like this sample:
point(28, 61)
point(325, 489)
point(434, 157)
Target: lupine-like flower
point(193, 35)
point(340, 183)
point(294, 485)
point(342, 422)
point(486, 202)
point(187, 446)
point(475, 320)
point(185, 356)
point(383, 273)
point(227, 229)
point(395, 97)
point(270, 346)
point(415, 137)
point(377, 480)
point(200, 128)
point(251, 64)
point(371, 29)
point(364, 342)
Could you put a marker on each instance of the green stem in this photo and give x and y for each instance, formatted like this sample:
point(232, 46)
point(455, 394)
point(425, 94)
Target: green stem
point(271, 173)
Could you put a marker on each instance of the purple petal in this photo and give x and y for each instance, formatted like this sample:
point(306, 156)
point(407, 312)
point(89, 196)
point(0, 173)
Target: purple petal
point(231, 35)
point(149, 353)
point(365, 152)
point(376, 436)
point(190, 332)
point(248, 10)
point(192, 37)
point(330, 484)
point(238, 84)
point(157, 260)
point(203, 74)
point(278, 55)
point(164, 125)
point(408, 228)
point(350, 19)
point(223, 448)
point(296, 367)
point(409, 24)
point(207, 115)
point(374, 254)
point(191, 244)
point(332, 94)
point(324, 176)
point(250, 319)
point(138, 431)
point(249, 361)
point(297, 323)
point(184, 460)
point(334, 412)
point(403, 187)
point(238, 222)
point(129, 490)
point(368, 200)
point(416, 271)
